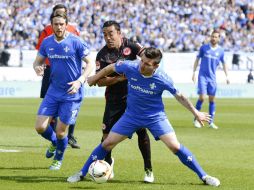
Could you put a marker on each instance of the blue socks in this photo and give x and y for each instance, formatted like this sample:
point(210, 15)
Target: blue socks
point(188, 159)
point(212, 110)
point(60, 148)
point(199, 105)
point(98, 153)
point(50, 135)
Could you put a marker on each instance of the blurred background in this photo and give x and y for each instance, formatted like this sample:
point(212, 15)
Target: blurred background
point(178, 27)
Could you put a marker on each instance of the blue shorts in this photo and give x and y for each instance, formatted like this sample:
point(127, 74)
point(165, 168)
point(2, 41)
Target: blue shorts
point(127, 125)
point(67, 111)
point(206, 87)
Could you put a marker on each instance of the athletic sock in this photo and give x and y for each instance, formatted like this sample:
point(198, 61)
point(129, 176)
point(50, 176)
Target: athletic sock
point(188, 159)
point(71, 130)
point(212, 110)
point(199, 105)
point(50, 135)
point(60, 148)
point(98, 153)
point(144, 147)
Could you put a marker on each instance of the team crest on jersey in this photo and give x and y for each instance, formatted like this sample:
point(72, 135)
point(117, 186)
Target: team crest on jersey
point(126, 51)
point(98, 65)
point(66, 49)
point(152, 86)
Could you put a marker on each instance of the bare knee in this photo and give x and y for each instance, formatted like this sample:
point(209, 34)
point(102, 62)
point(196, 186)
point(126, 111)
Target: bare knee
point(108, 145)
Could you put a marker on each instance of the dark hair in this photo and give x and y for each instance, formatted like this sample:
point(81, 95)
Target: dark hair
point(112, 23)
point(60, 6)
point(59, 14)
point(153, 53)
point(216, 31)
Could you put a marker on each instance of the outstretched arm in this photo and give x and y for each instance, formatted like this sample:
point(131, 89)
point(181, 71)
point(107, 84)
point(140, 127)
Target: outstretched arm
point(200, 116)
point(102, 73)
point(194, 69)
point(225, 69)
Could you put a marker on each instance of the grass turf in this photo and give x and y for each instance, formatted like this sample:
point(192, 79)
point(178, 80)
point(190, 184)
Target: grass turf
point(226, 153)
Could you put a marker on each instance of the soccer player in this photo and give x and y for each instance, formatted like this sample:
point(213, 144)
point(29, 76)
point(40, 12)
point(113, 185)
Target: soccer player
point(146, 83)
point(65, 52)
point(211, 55)
point(47, 31)
point(119, 48)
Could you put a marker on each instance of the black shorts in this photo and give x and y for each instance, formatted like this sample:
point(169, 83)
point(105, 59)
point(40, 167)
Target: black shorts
point(112, 114)
point(45, 81)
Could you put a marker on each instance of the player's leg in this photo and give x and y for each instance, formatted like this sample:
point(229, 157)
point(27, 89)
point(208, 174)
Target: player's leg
point(145, 149)
point(212, 87)
point(187, 158)
point(124, 128)
point(68, 112)
point(98, 153)
point(202, 86)
point(47, 108)
point(72, 141)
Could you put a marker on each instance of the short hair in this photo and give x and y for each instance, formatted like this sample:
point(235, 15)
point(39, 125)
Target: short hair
point(216, 31)
point(153, 53)
point(61, 15)
point(112, 23)
point(59, 6)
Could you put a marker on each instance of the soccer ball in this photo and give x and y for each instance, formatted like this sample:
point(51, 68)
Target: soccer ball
point(100, 171)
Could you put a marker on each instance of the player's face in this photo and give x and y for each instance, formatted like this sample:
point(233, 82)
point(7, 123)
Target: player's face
point(147, 66)
point(59, 27)
point(215, 38)
point(112, 37)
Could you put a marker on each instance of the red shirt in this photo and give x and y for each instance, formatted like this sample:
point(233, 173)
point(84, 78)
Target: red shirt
point(48, 30)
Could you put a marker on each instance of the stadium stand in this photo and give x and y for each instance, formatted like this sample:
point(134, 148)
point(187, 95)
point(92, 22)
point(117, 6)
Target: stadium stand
point(173, 26)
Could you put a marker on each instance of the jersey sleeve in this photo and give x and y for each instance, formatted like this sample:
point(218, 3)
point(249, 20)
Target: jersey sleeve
point(42, 50)
point(122, 67)
point(201, 52)
point(136, 48)
point(83, 49)
point(169, 84)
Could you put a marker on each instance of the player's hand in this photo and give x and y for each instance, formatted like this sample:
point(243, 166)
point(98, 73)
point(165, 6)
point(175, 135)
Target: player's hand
point(202, 117)
point(91, 81)
point(74, 87)
point(39, 70)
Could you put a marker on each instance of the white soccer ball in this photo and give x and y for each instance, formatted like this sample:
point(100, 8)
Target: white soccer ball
point(100, 171)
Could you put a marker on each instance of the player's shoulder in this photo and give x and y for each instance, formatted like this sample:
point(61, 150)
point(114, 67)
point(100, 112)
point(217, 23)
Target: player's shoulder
point(48, 30)
point(48, 38)
point(103, 52)
point(163, 75)
point(129, 63)
point(127, 43)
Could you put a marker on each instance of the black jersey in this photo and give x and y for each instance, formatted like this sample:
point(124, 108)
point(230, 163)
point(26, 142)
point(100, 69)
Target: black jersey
point(128, 51)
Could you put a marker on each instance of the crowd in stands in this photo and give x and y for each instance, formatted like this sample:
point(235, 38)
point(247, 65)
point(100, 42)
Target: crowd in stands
point(172, 25)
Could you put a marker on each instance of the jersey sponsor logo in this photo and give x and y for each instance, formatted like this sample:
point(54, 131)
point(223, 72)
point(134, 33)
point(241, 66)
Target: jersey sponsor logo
point(98, 65)
point(51, 49)
point(57, 56)
point(126, 51)
point(152, 86)
point(66, 49)
point(140, 89)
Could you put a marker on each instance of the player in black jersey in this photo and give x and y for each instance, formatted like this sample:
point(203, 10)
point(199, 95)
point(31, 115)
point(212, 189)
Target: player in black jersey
point(120, 48)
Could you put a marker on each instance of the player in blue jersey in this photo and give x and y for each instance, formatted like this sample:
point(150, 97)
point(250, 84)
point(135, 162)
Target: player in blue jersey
point(211, 55)
point(65, 52)
point(146, 83)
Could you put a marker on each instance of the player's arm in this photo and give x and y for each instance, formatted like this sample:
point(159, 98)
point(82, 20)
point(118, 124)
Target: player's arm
point(38, 65)
point(75, 85)
point(194, 69)
point(200, 116)
point(225, 69)
point(102, 73)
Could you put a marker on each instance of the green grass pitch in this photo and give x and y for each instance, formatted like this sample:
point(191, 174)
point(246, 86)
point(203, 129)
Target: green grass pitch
point(227, 153)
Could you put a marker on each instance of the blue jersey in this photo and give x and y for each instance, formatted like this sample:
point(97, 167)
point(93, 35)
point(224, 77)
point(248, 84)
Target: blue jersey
point(210, 59)
point(66, 64)
point(144, 98)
